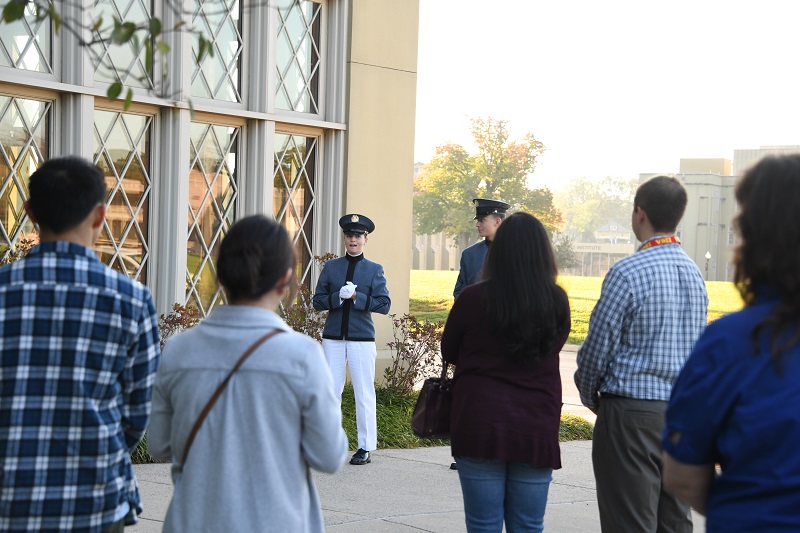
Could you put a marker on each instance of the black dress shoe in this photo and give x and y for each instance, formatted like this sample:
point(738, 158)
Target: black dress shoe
point(361, 457)
point(453, 466)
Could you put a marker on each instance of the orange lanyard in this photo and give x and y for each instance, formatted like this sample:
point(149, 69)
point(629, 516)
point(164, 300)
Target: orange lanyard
point(658, 241)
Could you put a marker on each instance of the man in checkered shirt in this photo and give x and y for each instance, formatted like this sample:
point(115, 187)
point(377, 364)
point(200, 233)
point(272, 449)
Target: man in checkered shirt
point(651, 311)
point(78, 355)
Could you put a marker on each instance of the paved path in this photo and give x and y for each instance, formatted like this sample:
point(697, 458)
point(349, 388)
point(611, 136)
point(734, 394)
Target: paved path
point(412, 491)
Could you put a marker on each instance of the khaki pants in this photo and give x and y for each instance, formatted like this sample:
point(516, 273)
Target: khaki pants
point(626, 454)
point(116, 527)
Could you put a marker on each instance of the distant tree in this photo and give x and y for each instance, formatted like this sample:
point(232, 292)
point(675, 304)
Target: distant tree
point(563, 246)
point(586, 205)
point(445, 187)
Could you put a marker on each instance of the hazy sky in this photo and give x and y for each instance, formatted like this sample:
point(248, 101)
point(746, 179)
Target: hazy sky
point(616, 87)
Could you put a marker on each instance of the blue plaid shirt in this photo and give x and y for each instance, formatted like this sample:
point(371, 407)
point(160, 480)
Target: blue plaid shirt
point(651, 311)
point(78, 355)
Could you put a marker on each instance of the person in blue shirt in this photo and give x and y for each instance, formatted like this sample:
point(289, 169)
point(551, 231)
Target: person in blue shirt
point(735, 403)
point(651, 311)
point(489, 214)
point(79, 352)
point(351, 288)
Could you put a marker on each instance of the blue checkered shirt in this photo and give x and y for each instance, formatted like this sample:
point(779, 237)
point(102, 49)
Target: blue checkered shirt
point(78, 354)
point(651, 311)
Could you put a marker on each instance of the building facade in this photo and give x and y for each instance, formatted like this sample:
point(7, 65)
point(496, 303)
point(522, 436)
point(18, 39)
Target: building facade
point(707, 230)
point(304, 111)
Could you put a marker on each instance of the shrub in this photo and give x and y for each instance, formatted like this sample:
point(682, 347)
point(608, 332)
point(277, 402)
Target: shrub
point(301, 315)
point(20, 250)
point(574, 428)
point(416, 353)
point(394, 421)
point(179, 319)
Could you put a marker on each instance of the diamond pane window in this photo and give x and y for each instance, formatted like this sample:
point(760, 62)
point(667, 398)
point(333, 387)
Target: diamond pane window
point(121, 62)
point(122, 150)
point(293, 195)
point(213, 192)
point(26, 44)
point(298, 56)
point(217, 76)
point(23, 147)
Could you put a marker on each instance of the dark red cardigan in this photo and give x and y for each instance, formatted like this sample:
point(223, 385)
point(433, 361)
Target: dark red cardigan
point(502, 409)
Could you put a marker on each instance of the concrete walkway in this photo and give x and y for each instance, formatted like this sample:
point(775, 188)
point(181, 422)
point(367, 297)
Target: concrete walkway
point(404, 491)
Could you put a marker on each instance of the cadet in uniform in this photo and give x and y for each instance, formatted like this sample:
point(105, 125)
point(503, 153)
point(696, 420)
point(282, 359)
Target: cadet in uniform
point(489, 214)
point(351, 288)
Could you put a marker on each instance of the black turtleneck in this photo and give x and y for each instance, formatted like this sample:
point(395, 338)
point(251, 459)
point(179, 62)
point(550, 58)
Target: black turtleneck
point(352, 261)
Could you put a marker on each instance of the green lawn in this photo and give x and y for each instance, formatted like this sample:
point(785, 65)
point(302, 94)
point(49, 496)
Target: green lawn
point(432, 295)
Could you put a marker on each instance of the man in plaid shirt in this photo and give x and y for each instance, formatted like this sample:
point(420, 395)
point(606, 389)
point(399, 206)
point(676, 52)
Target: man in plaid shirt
point(78, 355)
point(651, 311)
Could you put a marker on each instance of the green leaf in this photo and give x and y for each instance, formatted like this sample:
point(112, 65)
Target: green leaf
point(155, 26)
point(148, 55)
point(135, 44)
point(162, 47)
point(55, 17)
point(128, 99)
point(97, 24)
point(114, 90)
point(122, 33)
point(202, 46)
point(14, 10)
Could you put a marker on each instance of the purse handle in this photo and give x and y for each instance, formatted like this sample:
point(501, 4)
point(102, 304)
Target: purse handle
point(215, 396)
point(443, 379)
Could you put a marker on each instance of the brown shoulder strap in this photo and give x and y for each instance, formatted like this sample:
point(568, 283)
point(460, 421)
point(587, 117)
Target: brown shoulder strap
point(219, 390)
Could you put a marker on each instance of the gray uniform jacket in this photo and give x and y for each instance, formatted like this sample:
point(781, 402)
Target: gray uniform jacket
point(351, 320)
point(248, 468)
point(471, 266)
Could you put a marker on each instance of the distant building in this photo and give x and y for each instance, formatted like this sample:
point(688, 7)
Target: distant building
point(614, 233)
point(744, 159)
point(435, 252)
point(595, 258)
point(707, 225)
point(719, 166)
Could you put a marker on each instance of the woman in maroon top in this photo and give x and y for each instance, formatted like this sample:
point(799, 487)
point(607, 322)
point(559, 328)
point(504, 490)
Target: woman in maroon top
point(504, 335)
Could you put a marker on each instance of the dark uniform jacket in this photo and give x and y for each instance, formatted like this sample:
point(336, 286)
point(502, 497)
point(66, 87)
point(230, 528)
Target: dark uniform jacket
point(351, 320)
point(472, 260)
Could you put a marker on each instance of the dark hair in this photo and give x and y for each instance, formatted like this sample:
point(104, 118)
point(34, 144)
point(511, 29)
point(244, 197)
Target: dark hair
point(255, 253)
point(63, 191)
point(527, 307)
point(767, 256)
point(663, 200)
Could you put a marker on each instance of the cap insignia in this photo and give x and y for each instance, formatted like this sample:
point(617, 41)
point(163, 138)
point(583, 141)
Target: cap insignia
point(354, 218)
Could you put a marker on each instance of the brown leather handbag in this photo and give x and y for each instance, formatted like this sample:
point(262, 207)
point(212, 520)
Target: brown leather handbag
point(215, 396)
point(431, 417)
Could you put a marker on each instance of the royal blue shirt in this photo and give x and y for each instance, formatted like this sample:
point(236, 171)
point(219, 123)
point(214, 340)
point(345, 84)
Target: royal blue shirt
point(78, 356)
point(732, 406)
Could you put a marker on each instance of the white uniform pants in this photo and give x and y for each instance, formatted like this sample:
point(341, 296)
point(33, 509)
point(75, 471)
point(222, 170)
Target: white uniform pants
point(360, 357)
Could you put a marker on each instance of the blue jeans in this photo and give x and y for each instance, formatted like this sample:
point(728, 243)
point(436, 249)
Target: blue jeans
point(496, 490)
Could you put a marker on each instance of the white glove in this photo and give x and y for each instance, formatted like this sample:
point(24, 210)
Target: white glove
point(347, 291)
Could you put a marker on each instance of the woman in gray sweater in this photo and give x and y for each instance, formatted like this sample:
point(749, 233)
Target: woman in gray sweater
point(277, 417)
